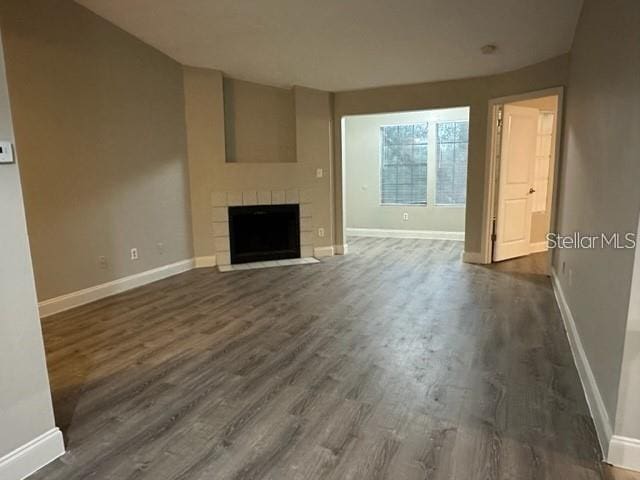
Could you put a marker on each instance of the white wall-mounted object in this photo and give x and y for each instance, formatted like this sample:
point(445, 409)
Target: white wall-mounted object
point(6, 153)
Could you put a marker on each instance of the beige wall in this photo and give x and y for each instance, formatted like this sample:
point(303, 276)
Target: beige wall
point(362, 177)
point(314, 147)
point(474, 92)
point(210, 173)
point(99, 121)
point(260, 122)
point(204, 112)
point(600, 169)
point(25, 401)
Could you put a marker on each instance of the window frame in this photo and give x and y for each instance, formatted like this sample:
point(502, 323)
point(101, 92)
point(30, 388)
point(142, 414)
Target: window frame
point(433, 118)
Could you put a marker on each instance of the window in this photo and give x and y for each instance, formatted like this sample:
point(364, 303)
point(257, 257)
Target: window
point(403, 166)
point(543, 161)
point(423, 157)
point(453, 145)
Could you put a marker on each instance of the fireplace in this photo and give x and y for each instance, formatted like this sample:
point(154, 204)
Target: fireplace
point(264, 232)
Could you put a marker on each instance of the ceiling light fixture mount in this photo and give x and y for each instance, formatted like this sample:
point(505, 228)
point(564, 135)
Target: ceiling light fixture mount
point(489, 49)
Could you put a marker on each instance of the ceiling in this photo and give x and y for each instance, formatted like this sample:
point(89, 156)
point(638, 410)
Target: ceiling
point(349, 44)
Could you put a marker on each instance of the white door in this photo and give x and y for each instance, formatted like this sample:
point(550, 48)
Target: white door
point(516, 179)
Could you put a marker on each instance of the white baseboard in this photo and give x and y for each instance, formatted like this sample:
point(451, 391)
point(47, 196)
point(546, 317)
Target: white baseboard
point(472, 257)
point(589, 384)
point(319, 252)
point(538, 247)
point(91, 294)
point(341, 249)
point(419, 234)
point(32, 456)
point(203, 262)
point(624, 452)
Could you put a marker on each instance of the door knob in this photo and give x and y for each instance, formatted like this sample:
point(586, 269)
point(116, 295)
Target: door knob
point(532, 190)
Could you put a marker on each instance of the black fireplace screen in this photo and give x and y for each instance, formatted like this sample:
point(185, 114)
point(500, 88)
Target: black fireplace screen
point(264, 232)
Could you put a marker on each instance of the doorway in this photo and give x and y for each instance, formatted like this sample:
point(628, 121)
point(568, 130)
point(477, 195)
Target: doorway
point(525, 145)
point(405, 174)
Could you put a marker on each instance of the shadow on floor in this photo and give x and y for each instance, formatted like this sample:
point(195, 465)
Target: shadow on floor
point(534, 264)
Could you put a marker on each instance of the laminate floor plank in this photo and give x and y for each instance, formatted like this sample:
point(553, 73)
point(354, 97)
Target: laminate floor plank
point(396, 361)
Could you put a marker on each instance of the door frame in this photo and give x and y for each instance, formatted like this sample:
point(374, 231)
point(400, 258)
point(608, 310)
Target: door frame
point(491, 166)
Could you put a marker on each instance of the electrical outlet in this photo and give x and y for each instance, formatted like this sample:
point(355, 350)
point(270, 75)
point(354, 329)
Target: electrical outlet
point(102, 262)
point(6, 153)
point(160, 247)
point(405, 216)
point(134, 254)
point(319, 173)
point(321, 232)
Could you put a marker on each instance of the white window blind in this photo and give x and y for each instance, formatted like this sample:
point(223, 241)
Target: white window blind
point(403, 165)
point(453, 146)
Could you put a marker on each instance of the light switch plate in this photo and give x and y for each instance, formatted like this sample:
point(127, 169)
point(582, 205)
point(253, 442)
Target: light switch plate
point(6, 153)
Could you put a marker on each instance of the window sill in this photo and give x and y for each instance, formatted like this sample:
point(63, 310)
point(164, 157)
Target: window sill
point(403, 205)
point(430, 205)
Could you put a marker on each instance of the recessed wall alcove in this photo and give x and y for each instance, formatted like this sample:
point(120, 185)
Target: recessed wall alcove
point(259, 123)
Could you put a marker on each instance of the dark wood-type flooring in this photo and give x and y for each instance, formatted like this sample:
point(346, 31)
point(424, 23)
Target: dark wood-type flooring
point(396, 361)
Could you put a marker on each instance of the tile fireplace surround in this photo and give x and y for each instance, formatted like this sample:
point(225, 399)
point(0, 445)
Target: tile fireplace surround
point(220, 201)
